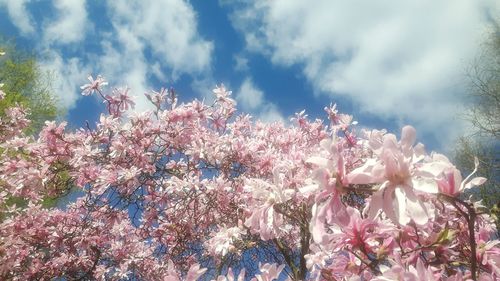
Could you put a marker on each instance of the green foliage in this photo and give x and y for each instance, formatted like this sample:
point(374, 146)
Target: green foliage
point(56, 188)
point(26, 84)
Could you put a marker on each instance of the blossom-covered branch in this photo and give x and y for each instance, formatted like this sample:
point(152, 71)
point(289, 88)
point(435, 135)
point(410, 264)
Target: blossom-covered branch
point(199, 191)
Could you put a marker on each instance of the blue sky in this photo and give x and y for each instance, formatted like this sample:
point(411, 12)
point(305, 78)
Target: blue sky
point(388, 63)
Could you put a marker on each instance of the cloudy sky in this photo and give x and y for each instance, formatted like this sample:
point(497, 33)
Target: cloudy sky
point(388, 63)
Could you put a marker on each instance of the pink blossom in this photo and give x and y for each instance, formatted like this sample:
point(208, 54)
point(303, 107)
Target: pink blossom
point(359, 231)
point(264, 219)
point(420, 273)
point(157, 98)
point(398, 176)
point(269, 272)
point(450, 180)
point(189, 191)
point(231, 277)
point(119, 101)
point(94, 85)
point(222, 242)
point(195, 271)
point(222, 94)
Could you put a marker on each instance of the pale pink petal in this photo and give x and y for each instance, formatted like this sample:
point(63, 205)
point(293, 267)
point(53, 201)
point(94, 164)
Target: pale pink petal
point(391, 163)
point(241, 276)
point(376, 203)
point(319, 161)
point(402, 217)
point(317, 226)
point(363, 174)
point(425, 185)
point(308, 189)
point(490, 245)
point(390, 142)
point(433, 168)
point(388, 204)
point(195, 272)
point(475, 182)
point(378, 173)
point(421, 270)
point(408, 136)
point(359, 178)
point(466, 180)
point(322, 176)
point(419, 152)
point(415, 208)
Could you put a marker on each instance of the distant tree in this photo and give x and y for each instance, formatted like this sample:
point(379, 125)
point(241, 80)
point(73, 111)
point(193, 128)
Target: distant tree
point(26, 84)
point(487, 151)
point(484, 77)
point(484, 116)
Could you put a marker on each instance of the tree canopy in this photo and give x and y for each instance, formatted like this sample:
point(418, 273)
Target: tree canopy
point(483, 141)
point(194, 191)
point(26, 84)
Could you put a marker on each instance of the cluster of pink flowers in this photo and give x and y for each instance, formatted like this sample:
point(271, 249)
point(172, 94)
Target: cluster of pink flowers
point(194, 191)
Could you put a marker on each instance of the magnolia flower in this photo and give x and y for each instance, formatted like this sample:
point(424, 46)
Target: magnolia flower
point(157, 98)
point(317, 258)
point(230, 276)
point(164, 95)
point(264, 219)
point(222, 94)
point(269, 272)
point(450, 181)
point(119, 102)
point(396, 172)
point(330, 177)
point(358, 231)
point(332, 112)
point(222, 242)
point(396, 273)
point(195, 272)
point(94, 85)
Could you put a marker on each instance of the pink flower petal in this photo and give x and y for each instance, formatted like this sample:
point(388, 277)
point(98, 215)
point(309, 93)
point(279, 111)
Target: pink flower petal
point(425, 185)
point(402, 217)
point(415, 207)
point(475, 182)
point(408, 137)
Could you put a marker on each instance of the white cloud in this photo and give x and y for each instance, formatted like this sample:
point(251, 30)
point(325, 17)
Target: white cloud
point(126, 66)
point(251, 99)
point(71, 23)
point(203, 88)
point(165, 28)
point(270, 113)
point(19, 15)
point(169, 28)
point(241, 63)
point(396, 59)
point(157, 72)
point(146, 38)
point(68, 75)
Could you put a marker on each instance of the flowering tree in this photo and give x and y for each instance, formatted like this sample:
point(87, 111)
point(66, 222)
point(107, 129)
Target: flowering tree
point(192, 191)
point(27, 84)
